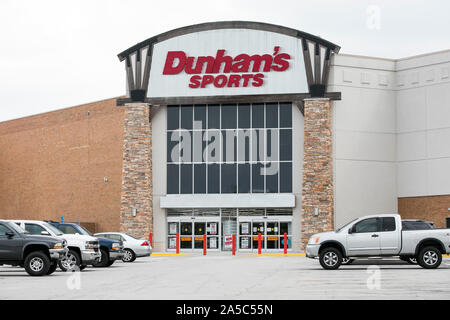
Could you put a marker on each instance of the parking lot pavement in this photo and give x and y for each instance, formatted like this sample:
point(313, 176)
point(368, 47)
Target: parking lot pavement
point(227, 277)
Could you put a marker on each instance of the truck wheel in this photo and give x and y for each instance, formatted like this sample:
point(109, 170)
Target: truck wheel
point(71, 261)
point(103, 261)
point(330, 258)
point(52, 268)
point(347, 261)
point(429, 258)
point(129, 256)
point(37, 263)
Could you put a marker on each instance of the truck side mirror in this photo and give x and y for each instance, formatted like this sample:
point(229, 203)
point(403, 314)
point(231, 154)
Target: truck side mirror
point(9, 234)
point(350, 231)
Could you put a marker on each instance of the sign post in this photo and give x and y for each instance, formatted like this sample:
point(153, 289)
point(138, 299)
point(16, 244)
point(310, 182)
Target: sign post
point(259, 243)
point(178, 242)
point(234, 245)
point(204, 244)
point(150, 238)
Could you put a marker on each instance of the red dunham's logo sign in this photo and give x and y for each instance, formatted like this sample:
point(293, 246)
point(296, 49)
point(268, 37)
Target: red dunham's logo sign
point(241, 71)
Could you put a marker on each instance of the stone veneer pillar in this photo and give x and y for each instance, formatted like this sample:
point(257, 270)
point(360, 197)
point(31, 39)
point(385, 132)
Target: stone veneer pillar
point(137, 188)
point(317, 190)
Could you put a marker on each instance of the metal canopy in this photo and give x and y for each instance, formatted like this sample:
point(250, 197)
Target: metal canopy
point(138, 63)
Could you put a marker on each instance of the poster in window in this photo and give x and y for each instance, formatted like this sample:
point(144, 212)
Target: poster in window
point(213, 228)
point(245, 227)
point(172, 243)
point(213, 243)
point(228, 241)
point(172, 228)
point(244, 243)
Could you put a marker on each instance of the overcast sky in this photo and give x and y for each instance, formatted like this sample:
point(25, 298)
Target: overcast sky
point(56, 54)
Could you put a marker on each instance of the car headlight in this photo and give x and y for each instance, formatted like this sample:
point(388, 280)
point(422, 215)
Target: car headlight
point(313, 240)
point(90, 245)
point(116, 246)
point(58, 245)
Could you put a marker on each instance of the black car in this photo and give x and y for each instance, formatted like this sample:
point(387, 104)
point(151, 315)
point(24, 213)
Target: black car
point(412, 224)
point(39, 255)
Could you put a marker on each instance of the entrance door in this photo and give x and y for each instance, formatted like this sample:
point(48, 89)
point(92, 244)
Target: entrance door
point(191, 232)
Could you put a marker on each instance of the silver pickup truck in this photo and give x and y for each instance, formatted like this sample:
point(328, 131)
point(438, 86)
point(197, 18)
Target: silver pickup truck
point(379, 236)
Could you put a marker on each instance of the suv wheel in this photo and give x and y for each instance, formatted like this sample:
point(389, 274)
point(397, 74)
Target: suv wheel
point(37, 263)
point(129, 256)
point(330, 258)
point(103, 261)
point(429, 258)
point(71, 261)
point(52, 268)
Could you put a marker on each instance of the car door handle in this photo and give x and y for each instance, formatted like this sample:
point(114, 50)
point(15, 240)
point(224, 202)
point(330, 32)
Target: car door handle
point(375, 236)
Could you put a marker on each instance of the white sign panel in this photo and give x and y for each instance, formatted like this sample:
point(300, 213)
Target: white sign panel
point(227, 62)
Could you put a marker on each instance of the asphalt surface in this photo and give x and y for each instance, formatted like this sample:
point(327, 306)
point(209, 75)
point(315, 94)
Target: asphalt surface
point(227, 277)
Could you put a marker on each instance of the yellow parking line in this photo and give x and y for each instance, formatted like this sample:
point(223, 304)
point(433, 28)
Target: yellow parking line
point(273, 255)
point(169, 255)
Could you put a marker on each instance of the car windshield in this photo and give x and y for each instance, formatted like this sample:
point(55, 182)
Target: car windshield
point(84, 231)
point(16, 228)
point(337, 230)
point(53, 229)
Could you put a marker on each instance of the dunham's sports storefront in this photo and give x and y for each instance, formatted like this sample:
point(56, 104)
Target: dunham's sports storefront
point(241, 128)
point(227, 101)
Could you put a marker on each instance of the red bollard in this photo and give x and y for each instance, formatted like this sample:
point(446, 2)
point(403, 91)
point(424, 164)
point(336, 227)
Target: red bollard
point(204, 244)
point(233, 246)
point(150, 238)
point(178, 243)
point(285, 243)
point(259, 243)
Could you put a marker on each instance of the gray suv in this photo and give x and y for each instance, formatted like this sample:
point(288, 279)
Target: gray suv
point(39, 255)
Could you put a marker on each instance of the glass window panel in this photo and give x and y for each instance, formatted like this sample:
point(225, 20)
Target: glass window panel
point(244, 115)
point(285, 144)
point(243, 145)
point(285, 176)
point(228, 180)
point(272, 115)
point(244, 178)
point(258, 145)
point(173, 179)
point(213, 153)
point(272, 144)
point(229, 146)
point(200, 178)
point(258, 115)
point(186, 117)
point(173, 154)
point(173, 117)
point(213, 116)
point(257, 178)
point(285, 115)
point(199, 145)
point(186, 146)
point(186, 179)
point(272, 169)
point(229, 116)
point(213, 178)
point(200, 116)
point(367, 225)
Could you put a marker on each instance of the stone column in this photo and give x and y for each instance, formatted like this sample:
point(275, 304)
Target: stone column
point(318, 190)
point(137, 188)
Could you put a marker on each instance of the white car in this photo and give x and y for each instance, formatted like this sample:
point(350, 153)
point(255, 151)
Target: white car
point(133, 248)
point(379, 236)
point(83, 249)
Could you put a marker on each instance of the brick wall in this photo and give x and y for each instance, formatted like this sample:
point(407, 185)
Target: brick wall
point(55, 164)
point(317, 191)
point(432, 208)
point(137, 189)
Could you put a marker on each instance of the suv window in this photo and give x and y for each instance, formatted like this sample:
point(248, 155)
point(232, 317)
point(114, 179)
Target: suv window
point(388, 224)
point(3, 230)
point(67, 229)
point(34, 228)
point(367, 225)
